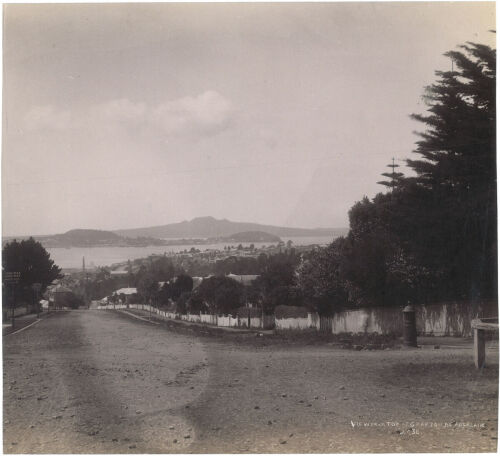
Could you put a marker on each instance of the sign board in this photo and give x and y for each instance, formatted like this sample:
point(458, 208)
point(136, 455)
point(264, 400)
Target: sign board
point(12, 277)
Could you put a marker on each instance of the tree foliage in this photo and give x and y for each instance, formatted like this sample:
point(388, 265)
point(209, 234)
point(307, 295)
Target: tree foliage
point(222, 295)
point(456, 175)
point(148, 288)
point(433, 234)
point(31, 259)
point(276, 284)
point(320, 279)
point(179, 285)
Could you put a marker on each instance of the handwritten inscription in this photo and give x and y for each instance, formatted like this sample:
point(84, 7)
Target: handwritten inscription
point(414, 427)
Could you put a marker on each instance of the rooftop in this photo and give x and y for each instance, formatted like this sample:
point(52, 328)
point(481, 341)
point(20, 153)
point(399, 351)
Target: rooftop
point(125, 291)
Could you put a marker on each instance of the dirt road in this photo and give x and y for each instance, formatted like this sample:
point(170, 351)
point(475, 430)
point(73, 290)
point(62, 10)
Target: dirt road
point(105, 382)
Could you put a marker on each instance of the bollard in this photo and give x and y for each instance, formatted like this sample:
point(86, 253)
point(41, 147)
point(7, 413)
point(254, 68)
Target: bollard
point(410, 326)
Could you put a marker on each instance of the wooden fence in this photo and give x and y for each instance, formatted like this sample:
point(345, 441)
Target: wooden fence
point(441, 319)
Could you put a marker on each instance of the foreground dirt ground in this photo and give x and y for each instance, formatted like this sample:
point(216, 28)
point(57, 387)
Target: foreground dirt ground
point(105, 382)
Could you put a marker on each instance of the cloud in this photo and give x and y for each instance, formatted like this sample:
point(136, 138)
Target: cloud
point(192, 116)
point(47, 117)
point(121, 110)
point(205, 114)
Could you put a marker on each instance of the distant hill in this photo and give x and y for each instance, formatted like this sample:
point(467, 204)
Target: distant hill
point(94, 238)
point(250, 236)
point(81, 238)
point(214, 228)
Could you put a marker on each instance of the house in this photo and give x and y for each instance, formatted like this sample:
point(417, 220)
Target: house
point(61, 296)
point(197, 281)
point(128, 294)
point(245, 279)
point(118, 273)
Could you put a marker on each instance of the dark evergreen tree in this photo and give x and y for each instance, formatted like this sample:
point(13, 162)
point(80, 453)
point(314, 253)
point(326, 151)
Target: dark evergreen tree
point(31, 259)
point(433, 236)
point(454, 191)
point(394, 176)
point(181, 284)
point(148, 288)
point(222, 295)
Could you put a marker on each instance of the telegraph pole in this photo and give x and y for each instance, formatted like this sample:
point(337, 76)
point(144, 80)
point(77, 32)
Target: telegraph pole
point(394, 176)
point(86, 275)
point(393, 179)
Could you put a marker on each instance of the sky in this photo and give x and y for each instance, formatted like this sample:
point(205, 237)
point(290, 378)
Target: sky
point(131, 115)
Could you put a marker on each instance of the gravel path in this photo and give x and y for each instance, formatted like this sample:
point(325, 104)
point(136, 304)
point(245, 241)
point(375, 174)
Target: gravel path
point(105, 382)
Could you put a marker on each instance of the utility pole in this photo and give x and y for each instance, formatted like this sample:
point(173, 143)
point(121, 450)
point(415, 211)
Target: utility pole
point(393, 177)
point(129, 272)
point(86, 275)
point(85, 284)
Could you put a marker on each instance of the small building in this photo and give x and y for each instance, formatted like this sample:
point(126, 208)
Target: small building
point(197, 281)
point(128, 294)
point(118, 273)
point(245, 279)
point(62, 296)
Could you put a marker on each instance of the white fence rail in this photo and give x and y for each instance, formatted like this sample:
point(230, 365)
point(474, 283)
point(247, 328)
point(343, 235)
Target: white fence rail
point(441, 319)
point(215, 320)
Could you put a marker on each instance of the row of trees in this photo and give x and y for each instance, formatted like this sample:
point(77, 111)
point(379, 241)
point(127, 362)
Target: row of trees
point(430, 236)
point(275, 285)
point(433, 235)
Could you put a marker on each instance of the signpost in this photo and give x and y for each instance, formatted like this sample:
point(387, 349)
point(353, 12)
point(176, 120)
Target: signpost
point(12, 278)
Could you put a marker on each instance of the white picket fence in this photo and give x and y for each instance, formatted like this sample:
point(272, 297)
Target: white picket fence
point(208, 319)
point(256, 322)
point(193, 318)
point(111, 306)
point(227, 321)
point(440, 319)
point(437, 319)
point(292, 323)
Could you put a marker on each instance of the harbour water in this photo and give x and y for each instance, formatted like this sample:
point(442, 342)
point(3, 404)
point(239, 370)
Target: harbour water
point(106, 256)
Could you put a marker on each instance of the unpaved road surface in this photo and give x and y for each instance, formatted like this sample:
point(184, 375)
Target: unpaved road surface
point(105, 382)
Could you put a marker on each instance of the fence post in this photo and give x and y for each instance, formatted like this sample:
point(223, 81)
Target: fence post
point(409, 326)
point(479, 348)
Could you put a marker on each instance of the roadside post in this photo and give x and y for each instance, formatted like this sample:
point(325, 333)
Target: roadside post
point(36, 289)
point(480, 327)
point(409, 326)
point(12, 278)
